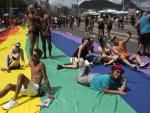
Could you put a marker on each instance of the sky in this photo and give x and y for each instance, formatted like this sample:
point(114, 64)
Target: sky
point(69, 2)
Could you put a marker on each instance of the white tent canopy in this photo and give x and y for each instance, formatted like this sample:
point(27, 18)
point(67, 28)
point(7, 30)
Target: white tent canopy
point(113, 11)
point(108, 11)
point(90, 12)
point(122, 12)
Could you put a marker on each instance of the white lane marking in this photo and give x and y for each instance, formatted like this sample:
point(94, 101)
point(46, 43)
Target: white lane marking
point(69, 33)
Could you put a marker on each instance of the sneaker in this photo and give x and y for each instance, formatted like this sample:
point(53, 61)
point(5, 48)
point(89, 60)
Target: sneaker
point(134, 67)
point(143, 65)
point(105, 64)
point(11, 104)
point(59, 67)
point(86, 63)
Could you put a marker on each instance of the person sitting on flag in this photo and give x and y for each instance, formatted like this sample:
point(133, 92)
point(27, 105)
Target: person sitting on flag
point(13, 59)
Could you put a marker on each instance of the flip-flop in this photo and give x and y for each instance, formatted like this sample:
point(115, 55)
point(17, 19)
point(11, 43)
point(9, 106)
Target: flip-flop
point(3, 69)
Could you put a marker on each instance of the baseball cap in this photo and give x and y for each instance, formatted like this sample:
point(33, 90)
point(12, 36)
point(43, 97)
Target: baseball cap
point(117, 67)
point(17, 44)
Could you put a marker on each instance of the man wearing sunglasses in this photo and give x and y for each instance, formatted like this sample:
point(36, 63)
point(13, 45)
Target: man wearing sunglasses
point(113, 83)
point(24, 85)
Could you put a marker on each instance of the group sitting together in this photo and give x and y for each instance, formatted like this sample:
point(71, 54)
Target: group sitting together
point(106, 55)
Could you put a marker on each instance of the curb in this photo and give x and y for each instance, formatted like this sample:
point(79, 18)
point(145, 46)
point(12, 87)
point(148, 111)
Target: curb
point(4, 30)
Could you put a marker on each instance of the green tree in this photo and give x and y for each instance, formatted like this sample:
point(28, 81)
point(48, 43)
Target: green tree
point(63, 10)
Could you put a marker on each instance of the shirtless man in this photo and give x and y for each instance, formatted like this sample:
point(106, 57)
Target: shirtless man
point(38, 23)
point(24, 85)
point(32, 28)
point(13, 59)
point(46, 34)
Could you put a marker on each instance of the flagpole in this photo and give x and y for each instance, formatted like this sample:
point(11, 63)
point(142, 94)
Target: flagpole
point(77, 7)
point(10, 10)
point(139, 4)
point(123, 5)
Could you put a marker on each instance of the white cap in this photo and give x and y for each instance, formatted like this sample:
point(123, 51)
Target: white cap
point(18, 44)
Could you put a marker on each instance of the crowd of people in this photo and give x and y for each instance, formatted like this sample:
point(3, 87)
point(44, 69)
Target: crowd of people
point(108, 23)
point(40, 24)
point(11, 22)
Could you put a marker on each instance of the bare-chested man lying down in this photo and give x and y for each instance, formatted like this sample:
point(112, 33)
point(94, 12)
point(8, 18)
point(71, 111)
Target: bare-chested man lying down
point(24, 85)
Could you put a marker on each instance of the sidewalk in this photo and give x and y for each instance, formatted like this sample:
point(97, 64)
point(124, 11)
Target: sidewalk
point(3, 29)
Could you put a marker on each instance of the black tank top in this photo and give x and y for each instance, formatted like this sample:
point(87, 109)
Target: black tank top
point(83, 53)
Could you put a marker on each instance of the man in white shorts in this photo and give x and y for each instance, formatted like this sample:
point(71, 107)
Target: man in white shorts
point(24, 85)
